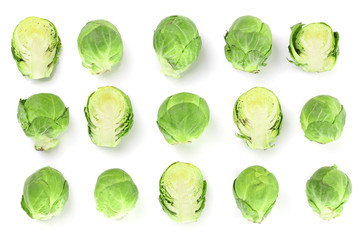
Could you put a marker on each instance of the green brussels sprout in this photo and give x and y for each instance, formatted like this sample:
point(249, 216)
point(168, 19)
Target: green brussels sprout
point(45, 194)
point(255, 191)
point(182, 192)
point(327, 191)
point(322, 119)
point(35, 47)
point(100, 46)
point(115, 193)
point(177, 44)
point(248, 44)
point(183, 117)
point(43, 117)
point(109, 115)
point(315, 47)
point(258, 116)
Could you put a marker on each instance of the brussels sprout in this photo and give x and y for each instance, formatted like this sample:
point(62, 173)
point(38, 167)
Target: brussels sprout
point(182, 192)
point(45, 194)
point(248, 44)
point(43, 117)
point(327, 191)
point(322, 119)
point(109, 116)
point(35, 47)
point(177, 44)
point(314, 47)
point(115, 193)
point(258, 116)
point(255, 191)
point(100, 46)
point(183, 117)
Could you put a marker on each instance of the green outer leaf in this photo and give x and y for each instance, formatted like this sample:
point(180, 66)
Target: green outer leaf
point(178, 209)
point(183, 117)
point(255, 191)
point(43, 117)
point(254, 138)
point(100, 46)
point(121, 125)
point(323, 119)
point(22, 115)
point(177, 44)
point(327, 191)
point(115, 193)
point(248, 44)
point(336, 51)
point(294, 53)
point(45, 194)
point(23, 58)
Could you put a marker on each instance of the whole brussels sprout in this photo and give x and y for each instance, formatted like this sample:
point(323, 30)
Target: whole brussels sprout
point(322, 119)
point(45, 194)
point(115, 193)
point(327, 191)
point(109, 115)
point(100, 46)
point(43, 117)
point(177, 44)
point(183, 117)
point(248, 44)
point(258, 116)
point(182, 192)
point(315, 47)
point(35, 47)
point(255, 191)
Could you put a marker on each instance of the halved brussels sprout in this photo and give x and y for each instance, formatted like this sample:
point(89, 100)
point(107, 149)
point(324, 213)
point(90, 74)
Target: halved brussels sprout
point(100, 46)
point(35, 47)
point(43, 117)
point(45, 194)
point(109, 115)
point(177, 44)
point(115, 193)
point(315, 47)
point(327, 191)
point(182, 192)
point(183, 117)
point(248, 44)
point(323, 119)
point(258, 116)
point(255, 191)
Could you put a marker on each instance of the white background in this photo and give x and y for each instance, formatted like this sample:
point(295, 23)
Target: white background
point(144, 153)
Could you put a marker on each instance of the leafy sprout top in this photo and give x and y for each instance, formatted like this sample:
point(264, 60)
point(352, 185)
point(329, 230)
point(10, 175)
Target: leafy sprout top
point(100, 46)
point(248, 44)
point(177, 44)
